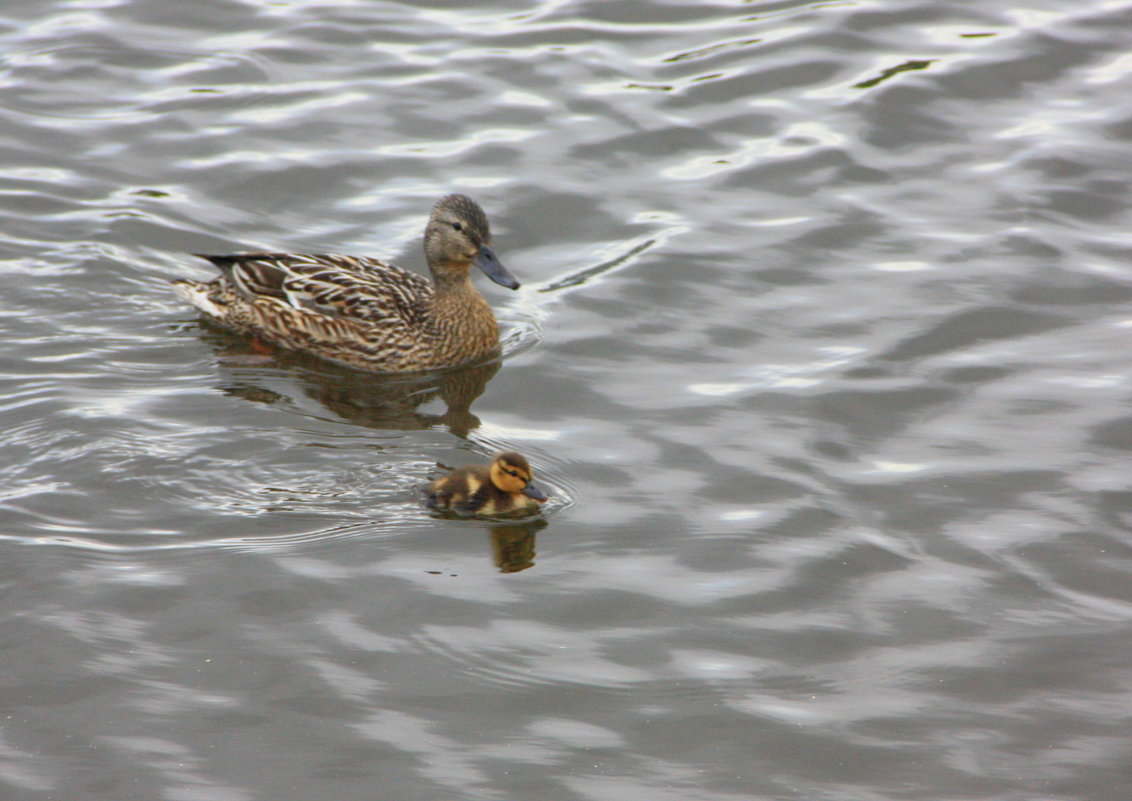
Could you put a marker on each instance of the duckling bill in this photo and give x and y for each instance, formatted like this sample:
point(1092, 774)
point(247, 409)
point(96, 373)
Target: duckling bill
point(363, 312)
point(504, 487)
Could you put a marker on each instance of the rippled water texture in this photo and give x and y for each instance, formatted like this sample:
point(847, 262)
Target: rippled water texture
point(822, 349)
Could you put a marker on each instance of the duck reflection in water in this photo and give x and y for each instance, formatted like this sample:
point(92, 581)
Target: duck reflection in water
point(368, 399)
point(513, 547)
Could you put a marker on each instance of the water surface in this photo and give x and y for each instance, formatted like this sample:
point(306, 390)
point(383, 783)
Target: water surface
point(821, 348)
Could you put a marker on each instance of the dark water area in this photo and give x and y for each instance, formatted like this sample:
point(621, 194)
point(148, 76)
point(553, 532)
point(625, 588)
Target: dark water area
point(821, 348)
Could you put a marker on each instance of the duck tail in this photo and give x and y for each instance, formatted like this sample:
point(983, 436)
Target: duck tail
point(252, 274)
point(198, 294)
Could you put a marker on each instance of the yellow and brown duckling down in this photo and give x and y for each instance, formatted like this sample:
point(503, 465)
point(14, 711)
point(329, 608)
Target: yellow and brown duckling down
point(504, 487)
point(363, 312)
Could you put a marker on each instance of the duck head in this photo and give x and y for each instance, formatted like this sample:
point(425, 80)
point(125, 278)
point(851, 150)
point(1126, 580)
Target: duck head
point(512, 473)
point(458, 235)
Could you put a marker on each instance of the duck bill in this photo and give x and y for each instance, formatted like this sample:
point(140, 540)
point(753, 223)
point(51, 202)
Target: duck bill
point(493, 268)
point(534, 491)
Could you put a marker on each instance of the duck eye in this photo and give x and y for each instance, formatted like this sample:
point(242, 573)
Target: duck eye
point(458, 226)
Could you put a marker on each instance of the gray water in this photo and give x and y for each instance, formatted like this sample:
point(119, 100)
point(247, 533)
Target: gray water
point(822, 349)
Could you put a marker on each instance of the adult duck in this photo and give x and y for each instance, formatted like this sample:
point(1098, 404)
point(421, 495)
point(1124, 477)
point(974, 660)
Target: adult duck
point(364, 312)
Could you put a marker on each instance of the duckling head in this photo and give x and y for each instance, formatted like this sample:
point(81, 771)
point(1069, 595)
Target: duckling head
point(457, 236)
point(512, 473)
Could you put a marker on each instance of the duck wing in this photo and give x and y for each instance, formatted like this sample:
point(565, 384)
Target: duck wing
point(328, 285)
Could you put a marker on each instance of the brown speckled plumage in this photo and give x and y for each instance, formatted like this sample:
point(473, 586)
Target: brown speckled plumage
point(364, 312)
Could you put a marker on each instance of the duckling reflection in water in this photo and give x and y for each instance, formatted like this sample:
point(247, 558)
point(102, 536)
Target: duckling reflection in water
point(363, 312)
point(502, 488)
point(513, 545)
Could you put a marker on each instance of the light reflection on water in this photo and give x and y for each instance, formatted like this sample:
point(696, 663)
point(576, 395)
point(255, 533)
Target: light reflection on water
point(819, 349)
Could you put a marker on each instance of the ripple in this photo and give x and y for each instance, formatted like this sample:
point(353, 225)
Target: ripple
point(525, 653)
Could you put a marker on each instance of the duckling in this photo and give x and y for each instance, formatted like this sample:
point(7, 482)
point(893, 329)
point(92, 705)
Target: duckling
point(363, 312)
point(503, 487)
